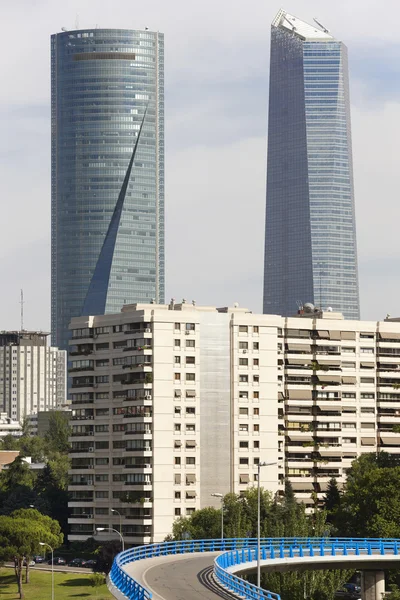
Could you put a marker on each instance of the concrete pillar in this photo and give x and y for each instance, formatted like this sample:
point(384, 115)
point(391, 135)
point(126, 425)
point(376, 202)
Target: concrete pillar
point(372, 585)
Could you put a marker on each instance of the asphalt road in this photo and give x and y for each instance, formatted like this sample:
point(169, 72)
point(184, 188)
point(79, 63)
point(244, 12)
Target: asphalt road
point(59, 568)
point(184, 578)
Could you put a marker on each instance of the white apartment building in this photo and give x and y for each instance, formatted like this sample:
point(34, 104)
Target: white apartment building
point(166, 412)
point(9, 427)
point(172, 403)
point(32, 374)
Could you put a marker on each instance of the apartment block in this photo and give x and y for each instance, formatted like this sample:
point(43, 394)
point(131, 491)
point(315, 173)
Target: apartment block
point(32, 374)
point(172, 403)
point(167, 411)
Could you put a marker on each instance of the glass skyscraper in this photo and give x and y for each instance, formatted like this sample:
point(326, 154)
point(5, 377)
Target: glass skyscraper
point(107, 172)
point(310, 234)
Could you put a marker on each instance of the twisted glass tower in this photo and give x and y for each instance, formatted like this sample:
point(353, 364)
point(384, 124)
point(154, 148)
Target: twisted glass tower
point(310, 234)
point(107, 172)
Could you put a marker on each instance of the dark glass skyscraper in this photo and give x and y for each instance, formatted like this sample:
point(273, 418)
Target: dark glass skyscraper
point(107, 172)
point(310, 235)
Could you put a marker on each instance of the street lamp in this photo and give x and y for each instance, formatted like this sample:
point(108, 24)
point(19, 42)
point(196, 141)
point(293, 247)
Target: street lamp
point(113, 510)
point(116, 531)
point(221, 496)
point(260, 464)
point(52, 567)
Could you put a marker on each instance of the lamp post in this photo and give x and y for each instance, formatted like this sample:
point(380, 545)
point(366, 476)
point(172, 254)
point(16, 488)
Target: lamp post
point(221, 496)
point(52, 567)
point(116, 531)
point(113, 510)
point(260, 464)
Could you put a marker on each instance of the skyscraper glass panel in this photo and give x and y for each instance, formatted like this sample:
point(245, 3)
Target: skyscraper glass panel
point(310, 234)
point(107, 172)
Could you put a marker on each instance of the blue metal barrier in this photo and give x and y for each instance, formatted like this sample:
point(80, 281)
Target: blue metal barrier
point(238, 551)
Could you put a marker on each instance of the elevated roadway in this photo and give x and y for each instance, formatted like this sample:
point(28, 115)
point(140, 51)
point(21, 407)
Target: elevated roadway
point(207, 569)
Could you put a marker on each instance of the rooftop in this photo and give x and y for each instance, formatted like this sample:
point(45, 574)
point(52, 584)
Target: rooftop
point(288, 22)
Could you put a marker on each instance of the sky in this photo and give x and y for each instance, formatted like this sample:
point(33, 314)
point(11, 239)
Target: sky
point(216, 105)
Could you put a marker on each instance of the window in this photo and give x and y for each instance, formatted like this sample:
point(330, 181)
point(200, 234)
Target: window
point(256, 362)
point(177, 512)
point(177, 411)
point(190, 460)
point(190, 343)
point(256, 412)
point(243, 329)
point(101, 428)
point(243, 378)
point(256, 395)
point(256, 379)
point(116, 427)
point(177, 427)
point(102, 379)
point(101, 477)
point(367, 396)
point(256, 428)
point(256, 461)
point(177, 360)
point(102, 412)
point(243, 411)
point(243, 345)
point(177, 478)
point(191, 427)
point(178, 393)
point(101, 461)
point(256, 444)
point(244, 395)
point(256, 346)
point(190, 511)
point(190, 360)
point(367, 380)
point(101, 494)
point(370, 411)
point(367, 336)
point(177, 444)
point(177, 495)
point(243, 362)
point(348, 395)
point(190, 377)
point(256, 329)
point(243, 444)
point(243, 427)
point(243, 461)
point(190, 410)
point(102, 363)
point(190, 393)
point(177, 460)
point(177, 376)
point(177, 327)
point(367, 350)
point(190, 327)
point(177, 343)
point(367, 425)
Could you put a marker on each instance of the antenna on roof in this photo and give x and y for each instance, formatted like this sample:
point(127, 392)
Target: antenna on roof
point(22, 309)
point(320, 25)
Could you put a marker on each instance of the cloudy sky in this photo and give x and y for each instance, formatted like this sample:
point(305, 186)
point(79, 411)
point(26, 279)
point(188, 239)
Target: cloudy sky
point(217, 55)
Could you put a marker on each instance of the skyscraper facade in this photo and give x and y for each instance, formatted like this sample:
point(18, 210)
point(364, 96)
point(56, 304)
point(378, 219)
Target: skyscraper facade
point(310, 234)
point(107, 172)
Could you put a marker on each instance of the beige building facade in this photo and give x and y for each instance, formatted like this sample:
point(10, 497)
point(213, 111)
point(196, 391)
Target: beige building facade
point(173, 403)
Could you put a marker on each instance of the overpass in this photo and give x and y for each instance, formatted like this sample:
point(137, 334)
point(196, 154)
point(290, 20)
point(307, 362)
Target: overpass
point(209, 569)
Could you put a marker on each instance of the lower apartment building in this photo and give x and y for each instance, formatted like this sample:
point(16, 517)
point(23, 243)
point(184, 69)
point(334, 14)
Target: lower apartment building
point(173, 403)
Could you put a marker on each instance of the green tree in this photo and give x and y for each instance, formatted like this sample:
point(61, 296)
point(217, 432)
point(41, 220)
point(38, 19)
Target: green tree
point(370, 504)
point(33, 446)
point(20, 534)
point(9, 442)
point(105, 555)
point(331, 502)
point(58, 432)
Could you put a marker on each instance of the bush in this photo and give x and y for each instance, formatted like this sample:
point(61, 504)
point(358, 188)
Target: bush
point(97, 579)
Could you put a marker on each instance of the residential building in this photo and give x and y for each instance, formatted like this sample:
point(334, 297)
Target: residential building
point(166, 410)
point(310, 233)
point(7, 457)
point(107, 172)
point(9, 427)
point(32, 374)
point(171, 404)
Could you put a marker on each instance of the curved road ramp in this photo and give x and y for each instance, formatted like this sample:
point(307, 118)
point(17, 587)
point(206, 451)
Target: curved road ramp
point(209, 569)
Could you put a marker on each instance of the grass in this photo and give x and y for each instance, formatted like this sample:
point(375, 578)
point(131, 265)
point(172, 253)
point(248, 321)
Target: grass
point(67, 586)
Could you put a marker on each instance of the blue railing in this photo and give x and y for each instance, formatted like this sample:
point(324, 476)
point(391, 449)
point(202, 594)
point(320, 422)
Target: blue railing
point(244, 550)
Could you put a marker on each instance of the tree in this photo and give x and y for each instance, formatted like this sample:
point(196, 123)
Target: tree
point(332, 500)
point(370, 504)
point(20, 534)
point(58, 432)
point(9, 442)
point(105, 555)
